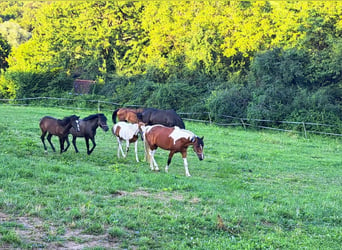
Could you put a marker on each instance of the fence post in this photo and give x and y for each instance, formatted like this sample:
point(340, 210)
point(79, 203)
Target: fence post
point(243, 124)
point(304, 128)
point(209, 117)
point(98, 106)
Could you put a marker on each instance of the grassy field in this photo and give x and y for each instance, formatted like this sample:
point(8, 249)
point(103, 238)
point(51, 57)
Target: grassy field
point(253, 190)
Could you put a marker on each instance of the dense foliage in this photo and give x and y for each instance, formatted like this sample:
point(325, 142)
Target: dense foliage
point(260, 59)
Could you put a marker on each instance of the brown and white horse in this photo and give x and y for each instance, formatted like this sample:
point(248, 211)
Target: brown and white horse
point(173, 139)
point(128, 132)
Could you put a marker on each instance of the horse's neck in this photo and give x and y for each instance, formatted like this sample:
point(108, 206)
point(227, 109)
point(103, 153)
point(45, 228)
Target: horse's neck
point(67, 128)
point(93, 124)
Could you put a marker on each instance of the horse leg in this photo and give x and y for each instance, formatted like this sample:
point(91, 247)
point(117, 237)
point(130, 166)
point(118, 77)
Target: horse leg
point(185, 164)
point(120, 148)
point(127, 147)
point(68, 144)
point(146, 149)
point(153, 163)
point(74, 143)
point(61, 144)
point(136, 150)
point(119, 145)
point(94, 145)
point(169, 161)
point(42, 137)
point(49, 140)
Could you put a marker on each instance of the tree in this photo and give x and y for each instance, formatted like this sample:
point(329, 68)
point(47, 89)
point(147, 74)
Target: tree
point(5, 49)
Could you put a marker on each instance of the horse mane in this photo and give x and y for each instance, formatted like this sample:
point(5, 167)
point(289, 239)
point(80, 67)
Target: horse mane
point(200, 141)
point(65, 120)
point(94, 116)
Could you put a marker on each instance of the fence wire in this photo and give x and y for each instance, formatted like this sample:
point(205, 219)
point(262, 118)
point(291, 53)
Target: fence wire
point(205, 117)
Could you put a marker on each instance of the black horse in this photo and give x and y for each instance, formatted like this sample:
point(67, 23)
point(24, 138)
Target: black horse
point(58, 127)
point(87, 130)
point(168, 118)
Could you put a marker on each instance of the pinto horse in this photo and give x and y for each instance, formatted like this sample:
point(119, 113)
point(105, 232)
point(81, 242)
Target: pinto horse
point(126, 114)
point(128, 132)
point(87, 129)
point(168, 118)
point(60, 128)
point(173, 139)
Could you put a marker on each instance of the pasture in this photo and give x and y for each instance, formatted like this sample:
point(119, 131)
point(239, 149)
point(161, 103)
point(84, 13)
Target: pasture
point(253, 190)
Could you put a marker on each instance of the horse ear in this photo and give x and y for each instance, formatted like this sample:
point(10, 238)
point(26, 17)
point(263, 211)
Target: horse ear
point(202, 138)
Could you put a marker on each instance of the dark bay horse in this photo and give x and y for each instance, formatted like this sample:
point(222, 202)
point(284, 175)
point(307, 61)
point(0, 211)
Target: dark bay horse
point(127, 132)
point(126, 114)
point(174, 140)
point(87, 129)
point(168, 118)
point(60, 128)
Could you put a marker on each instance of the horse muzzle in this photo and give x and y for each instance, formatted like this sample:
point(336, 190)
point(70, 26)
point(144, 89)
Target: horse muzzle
point(200, 157)
point(105, 128)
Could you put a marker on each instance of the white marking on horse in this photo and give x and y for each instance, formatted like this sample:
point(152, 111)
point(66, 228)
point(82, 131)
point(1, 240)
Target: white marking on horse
point(126, 133)
point(178, 133)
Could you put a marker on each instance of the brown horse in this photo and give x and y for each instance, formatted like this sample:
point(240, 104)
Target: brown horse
point(126, 114)
point(60, 128)
point(174, 140)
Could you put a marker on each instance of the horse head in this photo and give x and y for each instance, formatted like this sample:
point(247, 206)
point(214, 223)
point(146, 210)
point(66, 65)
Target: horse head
point(75, 122)
point(198, 146)
point(102, 122)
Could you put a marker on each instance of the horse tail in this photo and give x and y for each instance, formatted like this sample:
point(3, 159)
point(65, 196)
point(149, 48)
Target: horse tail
point(139, 116)
point(114, 115)
point(181, 124)
point(147, 148)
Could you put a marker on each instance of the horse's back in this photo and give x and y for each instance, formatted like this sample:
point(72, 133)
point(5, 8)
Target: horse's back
point(158, 132)
point(126, 114)
point(169, 118)
point(46, 122)
point(125, 130)
point(169, 138)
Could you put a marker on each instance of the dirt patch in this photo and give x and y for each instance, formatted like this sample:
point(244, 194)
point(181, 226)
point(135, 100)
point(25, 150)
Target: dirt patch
point(165, 196)
point(35, 232)
point(40, 234)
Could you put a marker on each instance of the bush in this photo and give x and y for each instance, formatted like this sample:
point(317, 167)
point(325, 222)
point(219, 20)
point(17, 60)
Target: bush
point(229, 102)
point(273, 102)
point(177, 96)
point(7, 87)
point(316, 107)
point(34, 84)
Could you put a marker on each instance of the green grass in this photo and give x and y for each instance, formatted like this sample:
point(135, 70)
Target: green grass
point(271, 190)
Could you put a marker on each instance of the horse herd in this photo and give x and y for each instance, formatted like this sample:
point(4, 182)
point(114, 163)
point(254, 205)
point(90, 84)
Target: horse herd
point(158, 128)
